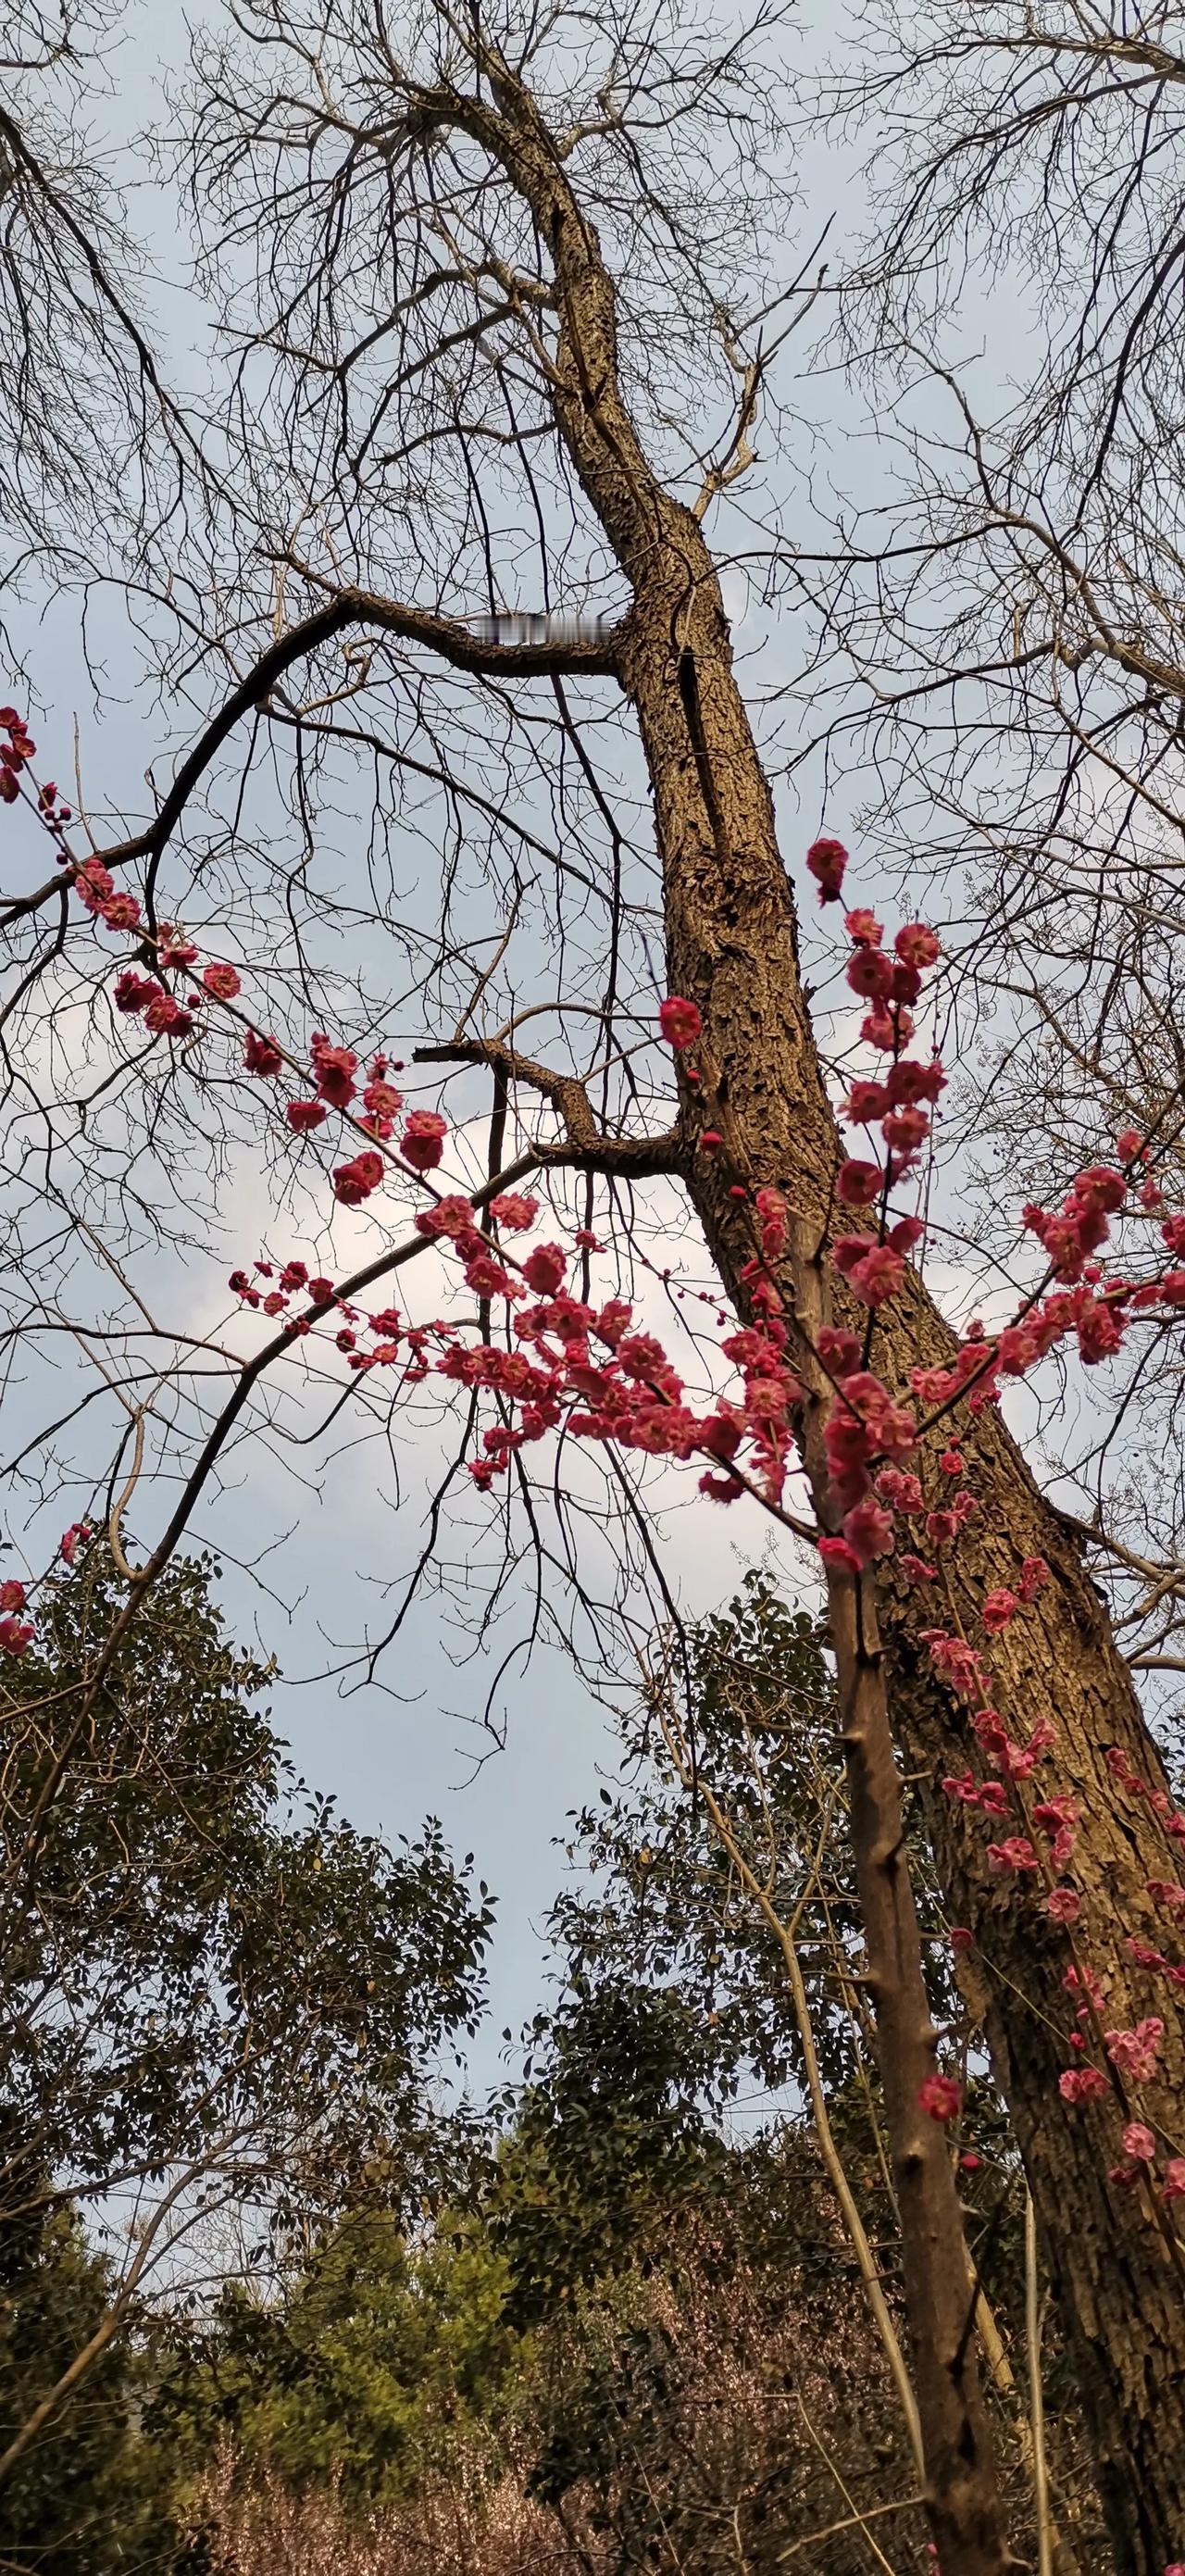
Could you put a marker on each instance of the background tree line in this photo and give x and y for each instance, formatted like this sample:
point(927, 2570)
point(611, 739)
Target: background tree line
point(607, 2319)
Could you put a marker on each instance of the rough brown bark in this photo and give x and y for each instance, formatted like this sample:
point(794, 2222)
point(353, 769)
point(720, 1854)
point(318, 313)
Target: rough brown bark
point(731, 947)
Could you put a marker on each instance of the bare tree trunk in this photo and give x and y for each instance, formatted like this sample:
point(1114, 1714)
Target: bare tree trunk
point(659, 545)
point(731, 947)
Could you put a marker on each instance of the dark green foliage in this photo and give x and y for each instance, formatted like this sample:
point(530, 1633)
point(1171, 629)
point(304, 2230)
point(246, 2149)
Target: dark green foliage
point(377, 2360)
point(657, 1893)
point(634, 2299)
point(214, 1987)
point(205, 1960)
point(612, 2131)
point(96, 2502)
point(550, 2327)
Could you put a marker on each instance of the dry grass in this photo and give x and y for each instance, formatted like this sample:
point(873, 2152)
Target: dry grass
point(458, 2529)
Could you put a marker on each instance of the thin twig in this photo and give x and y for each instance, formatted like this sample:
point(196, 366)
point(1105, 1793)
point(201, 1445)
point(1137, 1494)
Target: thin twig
point(832, 2159)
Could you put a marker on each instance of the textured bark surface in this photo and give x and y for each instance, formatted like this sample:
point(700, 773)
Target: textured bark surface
point(731, 947)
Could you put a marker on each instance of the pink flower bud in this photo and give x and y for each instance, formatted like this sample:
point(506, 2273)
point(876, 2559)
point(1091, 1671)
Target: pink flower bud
point(827, 860)
point(941, 2097)
point(680, 1022)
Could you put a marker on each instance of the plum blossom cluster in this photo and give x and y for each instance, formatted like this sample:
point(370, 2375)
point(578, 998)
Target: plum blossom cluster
point(896, 1105)
point(334, 1068)
point(163, 1012)
point(1139, 2156)
point(1097, 1313)
point(590, 1366)
point(1041, 1846)
point(941, 2097)
point(1133, 2055)
point(17, 752)
point(272, 1289)
point(587, 1366)
point(564, 1360)
point(371, 1102)
point(873, 1441)
point(16, 1632)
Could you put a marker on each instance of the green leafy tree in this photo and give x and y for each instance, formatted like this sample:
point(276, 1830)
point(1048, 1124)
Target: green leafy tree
point(377, 2361)
point(650, 2310)
point(214, 1952)
point(612, 2131)
point(225, 2001)
point(97, 2501)
point(658, 1897)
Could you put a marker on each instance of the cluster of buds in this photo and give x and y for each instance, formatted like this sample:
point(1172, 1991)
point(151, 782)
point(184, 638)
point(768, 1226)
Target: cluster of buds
point(17, 1632)
point(16, 752)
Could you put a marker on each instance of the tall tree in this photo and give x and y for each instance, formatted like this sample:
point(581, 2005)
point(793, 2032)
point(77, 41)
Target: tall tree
point(220, 2003)
point(482, 309)
point(97, 2497)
